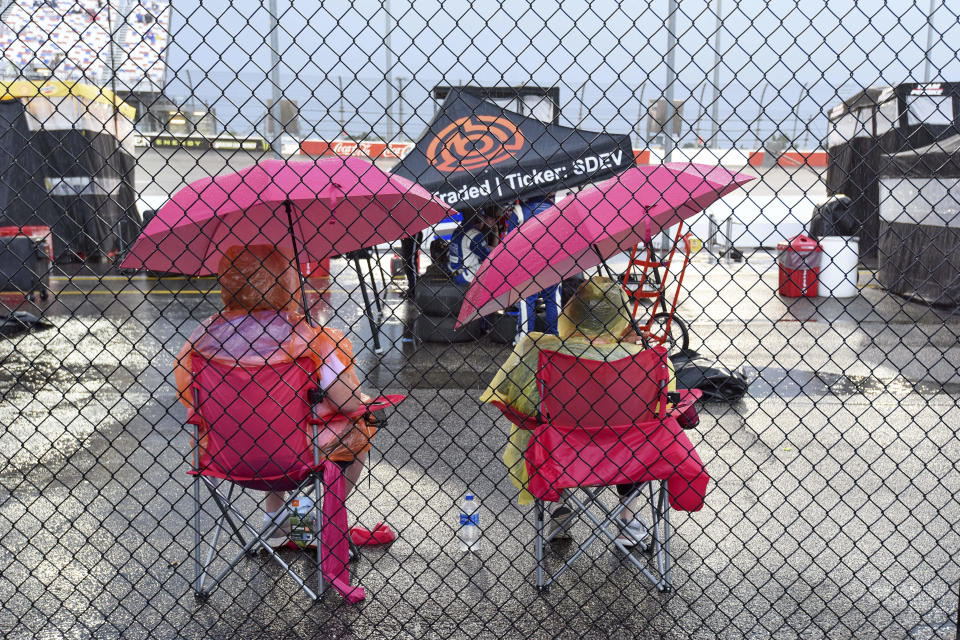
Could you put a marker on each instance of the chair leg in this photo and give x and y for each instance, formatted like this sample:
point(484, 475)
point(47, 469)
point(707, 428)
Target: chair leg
point(667, 532)
point(217, 530)
point(604, 528)
point(538, 543)
point(318, 530)
point(660, 507)
point(257, 541)
point(197, 553)
point(223, 503)
point(656, 502)
point(656, 542)
point(582, 508)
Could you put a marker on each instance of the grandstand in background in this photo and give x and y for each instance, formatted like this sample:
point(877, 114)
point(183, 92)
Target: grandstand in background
point(117, 44)
point(121, 43)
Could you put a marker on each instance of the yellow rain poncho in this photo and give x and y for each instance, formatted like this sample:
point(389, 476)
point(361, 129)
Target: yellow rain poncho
point(595, 325)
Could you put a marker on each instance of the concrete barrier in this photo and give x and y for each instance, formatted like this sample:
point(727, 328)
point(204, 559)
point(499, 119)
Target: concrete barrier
point(733, 158)
point(756, 220)
point(816, 159)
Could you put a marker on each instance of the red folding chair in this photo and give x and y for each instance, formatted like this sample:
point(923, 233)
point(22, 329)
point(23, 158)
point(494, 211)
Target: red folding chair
point(608, 423)
point(254, 428)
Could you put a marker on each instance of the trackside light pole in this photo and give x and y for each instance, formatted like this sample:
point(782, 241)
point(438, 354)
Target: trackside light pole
point(715, 110)
point(669, 143)
point(926, 64)
point(388, 65)
point(272, 116)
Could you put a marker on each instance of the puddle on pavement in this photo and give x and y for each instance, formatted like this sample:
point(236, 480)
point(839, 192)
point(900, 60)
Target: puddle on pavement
point(777, 382)
point(60, 385)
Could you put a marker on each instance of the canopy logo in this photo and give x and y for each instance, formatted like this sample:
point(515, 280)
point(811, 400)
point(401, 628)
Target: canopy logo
point(474, 142)
point(929, 89)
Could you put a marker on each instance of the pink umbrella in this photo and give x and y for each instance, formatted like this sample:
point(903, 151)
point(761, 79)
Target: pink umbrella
point(322, 208)
point(584, 229)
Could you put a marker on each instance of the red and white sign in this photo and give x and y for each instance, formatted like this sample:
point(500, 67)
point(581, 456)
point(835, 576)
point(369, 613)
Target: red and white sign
point(801, 158)
point(929, 89)
point(370, 149)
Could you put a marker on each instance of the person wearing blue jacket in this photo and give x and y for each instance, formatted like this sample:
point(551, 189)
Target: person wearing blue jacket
point(550, 295)
point(471, 244)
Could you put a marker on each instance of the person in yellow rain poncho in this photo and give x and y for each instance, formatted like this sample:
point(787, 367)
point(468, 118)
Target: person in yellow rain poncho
point(262, 324)
point(595, 325)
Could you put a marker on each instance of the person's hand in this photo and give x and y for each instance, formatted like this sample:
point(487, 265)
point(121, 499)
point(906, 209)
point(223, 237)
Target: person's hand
point(632, 337)
point(364, 398)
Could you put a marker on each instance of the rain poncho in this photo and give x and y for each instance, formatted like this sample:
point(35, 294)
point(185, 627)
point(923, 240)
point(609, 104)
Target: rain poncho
point(261, 324)
point(591, 327)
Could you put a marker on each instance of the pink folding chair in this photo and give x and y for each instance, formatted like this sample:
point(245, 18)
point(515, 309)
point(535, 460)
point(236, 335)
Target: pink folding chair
point(254, 428)
point(612, 423)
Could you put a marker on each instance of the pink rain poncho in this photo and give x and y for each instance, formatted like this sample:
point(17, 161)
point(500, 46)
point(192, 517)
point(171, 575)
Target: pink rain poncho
point(262, 324)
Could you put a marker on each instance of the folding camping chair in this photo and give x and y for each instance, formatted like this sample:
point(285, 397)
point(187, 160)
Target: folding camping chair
point(254, 428)
point(608, 423)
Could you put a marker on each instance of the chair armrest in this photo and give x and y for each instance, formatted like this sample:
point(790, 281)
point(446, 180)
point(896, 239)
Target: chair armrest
point(521, 420)
point(377, 404)
point(683, 406)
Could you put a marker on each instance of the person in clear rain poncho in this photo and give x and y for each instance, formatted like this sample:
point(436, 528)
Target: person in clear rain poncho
point(595, 325)
point(261, 324)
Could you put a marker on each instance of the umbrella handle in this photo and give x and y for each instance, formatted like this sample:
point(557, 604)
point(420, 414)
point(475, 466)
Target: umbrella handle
point(288, 207)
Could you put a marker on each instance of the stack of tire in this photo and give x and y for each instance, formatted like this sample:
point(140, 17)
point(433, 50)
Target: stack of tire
point(438, 299)
point(504, 326)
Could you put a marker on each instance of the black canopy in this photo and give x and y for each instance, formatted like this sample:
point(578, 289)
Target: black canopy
point(475, 153)
point(919, 240)
point(939, 159)
point(66, 162)
point(878, 121)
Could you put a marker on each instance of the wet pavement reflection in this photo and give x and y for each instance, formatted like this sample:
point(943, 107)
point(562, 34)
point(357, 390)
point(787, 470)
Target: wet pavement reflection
point(114, 337)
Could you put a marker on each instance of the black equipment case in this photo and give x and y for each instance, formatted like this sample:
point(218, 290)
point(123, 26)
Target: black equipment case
point(24, 267)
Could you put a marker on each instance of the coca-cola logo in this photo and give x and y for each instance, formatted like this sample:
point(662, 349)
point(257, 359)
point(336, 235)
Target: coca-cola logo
point(474, 142)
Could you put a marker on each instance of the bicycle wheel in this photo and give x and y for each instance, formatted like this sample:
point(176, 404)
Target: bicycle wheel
point(679, 338)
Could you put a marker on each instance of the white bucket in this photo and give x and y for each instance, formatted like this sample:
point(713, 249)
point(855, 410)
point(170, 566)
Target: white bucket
point(838, 266)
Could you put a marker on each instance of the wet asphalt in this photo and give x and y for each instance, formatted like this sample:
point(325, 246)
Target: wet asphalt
point(832, 511)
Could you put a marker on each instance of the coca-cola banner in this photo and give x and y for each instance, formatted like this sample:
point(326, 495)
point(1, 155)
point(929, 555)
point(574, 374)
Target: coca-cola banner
point(371, 149)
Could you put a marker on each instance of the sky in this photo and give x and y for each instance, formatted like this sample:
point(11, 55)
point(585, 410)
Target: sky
point(782, 61)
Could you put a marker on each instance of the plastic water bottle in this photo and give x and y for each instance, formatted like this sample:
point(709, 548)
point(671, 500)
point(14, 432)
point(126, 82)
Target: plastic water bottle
point(302, 525)
point(469, 523)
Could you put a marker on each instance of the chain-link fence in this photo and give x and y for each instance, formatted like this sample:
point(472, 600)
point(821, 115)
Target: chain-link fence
point(660, 298)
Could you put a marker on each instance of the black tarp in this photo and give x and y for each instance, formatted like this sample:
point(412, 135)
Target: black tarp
point(832, 218)
point(854, 164)
point(919, 247)
point(475, 153)
point(852, 169)
point(77, 182)
point(940, 159)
